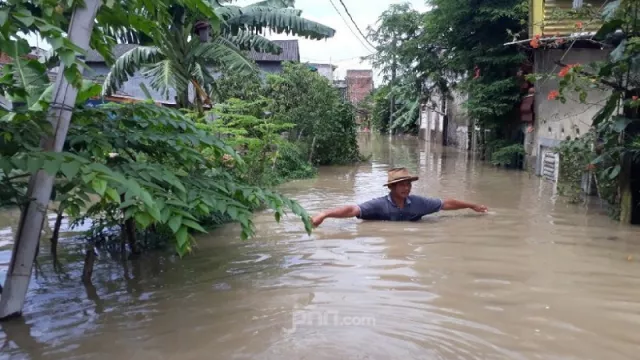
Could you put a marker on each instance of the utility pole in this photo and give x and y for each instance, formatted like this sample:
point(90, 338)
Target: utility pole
point(41, 183)
point(392, 103)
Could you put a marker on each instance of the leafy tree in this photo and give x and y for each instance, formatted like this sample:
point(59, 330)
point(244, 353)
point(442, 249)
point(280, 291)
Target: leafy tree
point(174, 58)
point(381, 112)
point(323, 122)
point(435, 52)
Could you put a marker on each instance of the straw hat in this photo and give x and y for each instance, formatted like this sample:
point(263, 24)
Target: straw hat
point(396, 175)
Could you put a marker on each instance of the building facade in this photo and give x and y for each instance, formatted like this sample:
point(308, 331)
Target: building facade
point(359, 85)
point(553, 121)
point(326, 70)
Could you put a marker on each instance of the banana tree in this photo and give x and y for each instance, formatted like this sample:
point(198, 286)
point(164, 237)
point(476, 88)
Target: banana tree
point(175, 59)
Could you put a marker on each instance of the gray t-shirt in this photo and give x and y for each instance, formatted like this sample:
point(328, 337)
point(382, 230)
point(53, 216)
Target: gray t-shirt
point(384, 209)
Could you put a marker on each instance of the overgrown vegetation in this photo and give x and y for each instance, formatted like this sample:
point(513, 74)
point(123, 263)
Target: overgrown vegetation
point(425, 57)
point(143, 171)
point(321, 125)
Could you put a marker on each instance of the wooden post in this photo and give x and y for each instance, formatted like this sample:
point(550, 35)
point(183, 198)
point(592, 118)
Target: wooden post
point(41, 183)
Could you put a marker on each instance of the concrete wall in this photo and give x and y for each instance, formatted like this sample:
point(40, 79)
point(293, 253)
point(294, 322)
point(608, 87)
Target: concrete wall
point(458, 122)
point(432, 121)
point(455, 131)
point(555, 121)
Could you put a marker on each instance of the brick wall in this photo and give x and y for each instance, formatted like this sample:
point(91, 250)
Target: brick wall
point(359, 85)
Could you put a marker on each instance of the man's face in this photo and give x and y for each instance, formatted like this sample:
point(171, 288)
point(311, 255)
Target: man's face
point(401, 189)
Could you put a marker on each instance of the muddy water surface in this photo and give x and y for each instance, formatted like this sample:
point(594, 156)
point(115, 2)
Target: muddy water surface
point(535, 278)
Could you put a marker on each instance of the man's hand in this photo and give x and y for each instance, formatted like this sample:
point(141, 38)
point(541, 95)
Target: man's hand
point(317, 220)
point(453, 204)
point(480, 208)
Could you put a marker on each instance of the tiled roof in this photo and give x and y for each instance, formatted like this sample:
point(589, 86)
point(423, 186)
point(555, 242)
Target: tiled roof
point(290, 52)
point(117, 51)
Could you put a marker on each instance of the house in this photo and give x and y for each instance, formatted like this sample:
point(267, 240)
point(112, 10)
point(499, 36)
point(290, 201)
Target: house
point(272, 63)
point(555, 43)
point(359, 85)
point(326, 70)
point(341, 85)
point(444, 121)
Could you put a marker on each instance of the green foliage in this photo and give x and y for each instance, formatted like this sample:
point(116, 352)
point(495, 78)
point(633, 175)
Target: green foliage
point(176, 59)
point(381, 111)
point(148, 163)
point(249, 129)
point(575, 156)
point(324, 124)
point(141, 168)
point(508, 156)
point(438, 51)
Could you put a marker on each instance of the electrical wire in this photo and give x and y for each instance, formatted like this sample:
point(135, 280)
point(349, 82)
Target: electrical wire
point(356, 25)
point(348, 27)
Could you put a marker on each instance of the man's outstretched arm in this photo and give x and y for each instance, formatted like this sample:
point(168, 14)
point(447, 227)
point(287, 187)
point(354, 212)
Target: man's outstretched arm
point(453, 204)
point(346, 211)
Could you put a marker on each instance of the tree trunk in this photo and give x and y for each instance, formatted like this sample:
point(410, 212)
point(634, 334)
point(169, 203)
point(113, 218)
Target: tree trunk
point(41, 183)
point(313, 145)
point(626, 198)
point(130, 232)
point(89, 260)
point(56, 234)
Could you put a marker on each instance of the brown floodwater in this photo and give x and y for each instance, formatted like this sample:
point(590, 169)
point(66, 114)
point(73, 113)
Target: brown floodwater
point(535, 278)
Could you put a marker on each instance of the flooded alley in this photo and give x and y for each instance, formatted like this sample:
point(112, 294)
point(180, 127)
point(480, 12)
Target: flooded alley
point(535, 278)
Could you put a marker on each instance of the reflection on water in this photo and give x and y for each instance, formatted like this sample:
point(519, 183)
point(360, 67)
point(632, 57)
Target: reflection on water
point(535, 278)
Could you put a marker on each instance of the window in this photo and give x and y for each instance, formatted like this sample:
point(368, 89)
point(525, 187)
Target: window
point(577, 4)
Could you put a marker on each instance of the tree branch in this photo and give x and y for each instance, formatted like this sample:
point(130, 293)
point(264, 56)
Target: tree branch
point(602, 81)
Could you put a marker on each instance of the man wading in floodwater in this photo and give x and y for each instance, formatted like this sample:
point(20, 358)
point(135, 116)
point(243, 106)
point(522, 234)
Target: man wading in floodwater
point(398, 205)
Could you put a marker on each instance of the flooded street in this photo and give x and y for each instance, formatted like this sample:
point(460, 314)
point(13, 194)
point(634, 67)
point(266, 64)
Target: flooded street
point(536, 278)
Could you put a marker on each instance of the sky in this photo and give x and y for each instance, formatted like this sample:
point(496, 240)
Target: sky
point(344, 49)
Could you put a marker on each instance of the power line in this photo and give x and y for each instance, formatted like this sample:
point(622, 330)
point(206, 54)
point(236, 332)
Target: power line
point(348, 27)
point(337, 60)
point(356, 25)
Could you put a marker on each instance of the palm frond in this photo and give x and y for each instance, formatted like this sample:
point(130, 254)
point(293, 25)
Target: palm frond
point(278, 4)
point(126, 65)
point(225, 54)
point(279, 20)
point(246, 40)
point(165, 76)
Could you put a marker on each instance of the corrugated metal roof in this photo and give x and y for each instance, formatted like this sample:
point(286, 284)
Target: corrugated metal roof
point(552, 26)
point(290, 52)
point(117, 51)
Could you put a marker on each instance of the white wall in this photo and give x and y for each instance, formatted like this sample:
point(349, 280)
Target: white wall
point(555, 121)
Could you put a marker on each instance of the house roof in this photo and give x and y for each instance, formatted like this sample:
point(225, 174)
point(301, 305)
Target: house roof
point(290, 52)
point(117, 51)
